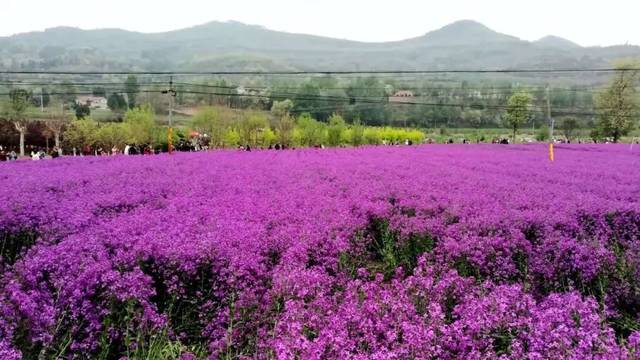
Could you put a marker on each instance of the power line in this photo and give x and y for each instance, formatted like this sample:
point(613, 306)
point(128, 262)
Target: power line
point(321, 72)
point(514, 88)
point(483, 90)
point(346, 101)
point(339, 99)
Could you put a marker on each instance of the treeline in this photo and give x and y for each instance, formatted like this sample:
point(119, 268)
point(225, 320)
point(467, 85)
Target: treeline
point(220, 127)
point(331, 111)
point(436, 102)
point(616, 110)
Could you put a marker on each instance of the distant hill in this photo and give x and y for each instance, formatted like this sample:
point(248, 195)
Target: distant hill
point(464, 33)
point(219, 46)
point(557, 42)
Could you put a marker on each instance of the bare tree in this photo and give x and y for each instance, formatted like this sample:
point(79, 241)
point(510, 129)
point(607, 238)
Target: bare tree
point(57, 122)
point(15, 112)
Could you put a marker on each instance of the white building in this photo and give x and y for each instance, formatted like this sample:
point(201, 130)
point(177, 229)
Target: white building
point(94, 102)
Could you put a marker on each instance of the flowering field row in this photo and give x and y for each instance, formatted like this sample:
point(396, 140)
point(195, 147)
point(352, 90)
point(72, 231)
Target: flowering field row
point(372, 253)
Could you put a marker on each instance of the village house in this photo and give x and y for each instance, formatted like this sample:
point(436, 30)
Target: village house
point(402, 96)
point(93, 102)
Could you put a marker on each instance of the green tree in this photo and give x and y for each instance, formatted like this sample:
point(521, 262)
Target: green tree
point(569, 126)
point(15, 112)
point(117, 104)
point(542, 134)
point(41, 98)
point(218, 92)
point(336, 128)
point(617, 107)
point(158, 102)
point(67, 93)
point(99, 91)
point(141, 122)
point(595, 135)
point(281, 108)
point(180, 98)
point(473, 118)
point(131, 88)
point(518, 111)
point(311, 98)
point(82, 110)
point(366, 99)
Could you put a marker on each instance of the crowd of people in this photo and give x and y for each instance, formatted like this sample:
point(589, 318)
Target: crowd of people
point(39, 153)
point(8, 154)
point(33, 152)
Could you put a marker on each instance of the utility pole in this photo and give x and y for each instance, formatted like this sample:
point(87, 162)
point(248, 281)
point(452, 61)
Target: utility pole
point(172, 94)
point(549, 118)
point(41, 101)
point(533, 127)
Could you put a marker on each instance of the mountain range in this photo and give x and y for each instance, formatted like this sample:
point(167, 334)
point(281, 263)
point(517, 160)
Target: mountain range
point(225, 46)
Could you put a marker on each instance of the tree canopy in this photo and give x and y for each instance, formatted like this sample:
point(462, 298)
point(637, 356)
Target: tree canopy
point(618, 107)
point(518, 111)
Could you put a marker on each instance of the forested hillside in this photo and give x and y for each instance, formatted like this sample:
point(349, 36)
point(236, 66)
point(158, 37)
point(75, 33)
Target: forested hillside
point(219, 46)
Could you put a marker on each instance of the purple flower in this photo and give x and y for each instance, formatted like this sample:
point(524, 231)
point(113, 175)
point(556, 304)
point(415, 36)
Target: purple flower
point(370, 253)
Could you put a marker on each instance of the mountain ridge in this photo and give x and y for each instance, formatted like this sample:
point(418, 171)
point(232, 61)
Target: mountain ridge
point(458, 23)
point(232, 45)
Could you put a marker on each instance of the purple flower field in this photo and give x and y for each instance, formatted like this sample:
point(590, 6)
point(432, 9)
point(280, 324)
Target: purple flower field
point(448, 252)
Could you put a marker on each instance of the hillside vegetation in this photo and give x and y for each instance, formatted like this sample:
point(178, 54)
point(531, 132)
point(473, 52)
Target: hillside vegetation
point(218, 46)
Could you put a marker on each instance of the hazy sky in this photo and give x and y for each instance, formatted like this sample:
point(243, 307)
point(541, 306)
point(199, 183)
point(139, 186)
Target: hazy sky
point(586, 22)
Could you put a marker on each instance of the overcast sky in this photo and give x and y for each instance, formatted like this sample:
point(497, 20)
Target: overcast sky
point(586, 22)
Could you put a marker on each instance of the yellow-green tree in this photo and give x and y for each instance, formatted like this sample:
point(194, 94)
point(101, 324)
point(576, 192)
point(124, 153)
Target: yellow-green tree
point(81, 133)
point(284, 123)
point(210, 121)
point(372, 136)
point(357, 134)
point(141, 123)
point(335, 130)
point(251, 126)
point(312, 132)
point(113, 134)
point(268, 137)
point(231, 138)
